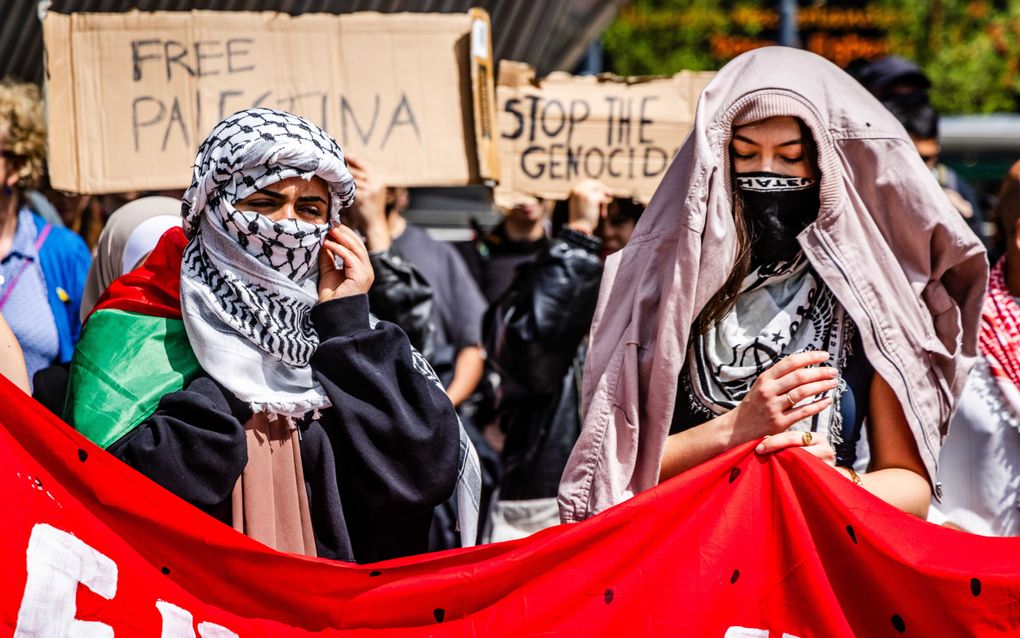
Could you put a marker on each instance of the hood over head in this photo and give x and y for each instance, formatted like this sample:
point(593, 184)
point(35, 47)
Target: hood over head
point(886, 241)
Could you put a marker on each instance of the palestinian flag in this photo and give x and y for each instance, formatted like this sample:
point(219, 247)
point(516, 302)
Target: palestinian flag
point(133, 348)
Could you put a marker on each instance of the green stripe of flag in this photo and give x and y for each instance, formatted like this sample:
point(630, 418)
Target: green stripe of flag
point(123, 365)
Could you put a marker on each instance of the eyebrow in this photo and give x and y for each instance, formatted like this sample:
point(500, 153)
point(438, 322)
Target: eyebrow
point(276, 195)
point(793, 142)
point(269, 193)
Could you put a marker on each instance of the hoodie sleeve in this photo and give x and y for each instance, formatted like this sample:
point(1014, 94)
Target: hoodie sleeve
point(193, 445)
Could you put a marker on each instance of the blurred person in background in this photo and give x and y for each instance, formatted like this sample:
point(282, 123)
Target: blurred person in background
point(42, 266)
point(131, 234)
point(455, 347)
point(922, 124)
point(493, 257)
point(423, 285)
point(892, 78)
point(536, 335)
point(128, 237)
point(979, 466)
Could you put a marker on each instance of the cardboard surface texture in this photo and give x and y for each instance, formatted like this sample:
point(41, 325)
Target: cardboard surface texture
point(131, 96)
point(622, 131)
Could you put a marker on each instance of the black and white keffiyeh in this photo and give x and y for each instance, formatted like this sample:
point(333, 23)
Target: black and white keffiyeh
point(248, 283)
point(782, 309)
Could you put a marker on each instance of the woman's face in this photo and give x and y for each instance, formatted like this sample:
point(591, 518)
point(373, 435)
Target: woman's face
point(305, 200)
point(774, 145)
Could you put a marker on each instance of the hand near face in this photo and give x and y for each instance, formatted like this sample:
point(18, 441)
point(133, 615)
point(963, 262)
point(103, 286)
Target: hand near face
point(355, 276)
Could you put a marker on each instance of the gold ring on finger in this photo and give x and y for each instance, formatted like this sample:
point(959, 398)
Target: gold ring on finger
point(793, 403)
point(805, 439)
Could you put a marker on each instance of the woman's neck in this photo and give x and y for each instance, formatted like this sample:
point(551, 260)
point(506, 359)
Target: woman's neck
point(524, 229)
point(397, 224)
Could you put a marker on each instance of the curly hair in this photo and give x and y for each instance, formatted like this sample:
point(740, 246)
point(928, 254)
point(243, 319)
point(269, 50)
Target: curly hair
point(23, 130)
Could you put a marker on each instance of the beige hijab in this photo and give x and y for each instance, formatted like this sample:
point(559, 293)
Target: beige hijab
point(887, 242)
point(130, 234)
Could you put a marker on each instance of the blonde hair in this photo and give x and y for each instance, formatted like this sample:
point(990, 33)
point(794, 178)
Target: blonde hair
point(23, 129)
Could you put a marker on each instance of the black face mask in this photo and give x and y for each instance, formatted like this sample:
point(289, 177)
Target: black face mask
point(777, 208)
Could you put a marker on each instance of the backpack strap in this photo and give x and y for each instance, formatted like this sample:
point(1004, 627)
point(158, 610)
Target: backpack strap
point(39, 241)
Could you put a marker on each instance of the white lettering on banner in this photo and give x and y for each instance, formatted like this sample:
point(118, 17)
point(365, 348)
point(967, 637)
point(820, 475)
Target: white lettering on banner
point(57, 562)
point(177, 623)
point(212, 630)
point(744, 632)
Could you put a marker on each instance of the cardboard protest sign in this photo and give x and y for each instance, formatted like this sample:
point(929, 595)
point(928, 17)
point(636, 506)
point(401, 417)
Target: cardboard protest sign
point(622, 131)
point(130, 96)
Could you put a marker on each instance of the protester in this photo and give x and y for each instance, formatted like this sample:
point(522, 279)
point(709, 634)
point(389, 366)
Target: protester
point(298, 418)
point(458, 305)
point(42, 266)
point(124, 243)
point(127, 238)
point(493, 257)
point(797, 271)
point(399, 293)
point(922, 124)
point(979, 466)
point(451, 333)
point(892, 78)
point(538, 346)
point(616, 228)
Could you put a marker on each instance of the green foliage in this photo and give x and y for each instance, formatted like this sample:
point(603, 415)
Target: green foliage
point(969, 48)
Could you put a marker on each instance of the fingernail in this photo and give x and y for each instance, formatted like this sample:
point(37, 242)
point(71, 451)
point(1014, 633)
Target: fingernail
point(760, 448)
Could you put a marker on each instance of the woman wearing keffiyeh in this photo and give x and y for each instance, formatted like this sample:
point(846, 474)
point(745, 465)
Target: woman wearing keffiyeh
point(276, 402)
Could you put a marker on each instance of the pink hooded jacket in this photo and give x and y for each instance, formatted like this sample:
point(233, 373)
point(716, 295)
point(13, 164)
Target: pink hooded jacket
point(887, 242)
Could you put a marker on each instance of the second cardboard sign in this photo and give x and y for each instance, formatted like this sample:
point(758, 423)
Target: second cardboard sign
point(622, 131)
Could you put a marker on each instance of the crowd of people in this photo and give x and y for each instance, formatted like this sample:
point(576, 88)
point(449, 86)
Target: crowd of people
point(326, 377)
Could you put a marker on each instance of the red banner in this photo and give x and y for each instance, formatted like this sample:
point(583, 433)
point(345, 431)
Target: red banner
point(741, 547)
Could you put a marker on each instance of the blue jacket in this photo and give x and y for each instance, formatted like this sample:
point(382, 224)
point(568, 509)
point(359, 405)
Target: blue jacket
point(65, 260)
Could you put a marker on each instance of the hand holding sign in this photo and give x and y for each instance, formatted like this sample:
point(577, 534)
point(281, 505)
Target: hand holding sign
point(588, 205)
point(368, 214)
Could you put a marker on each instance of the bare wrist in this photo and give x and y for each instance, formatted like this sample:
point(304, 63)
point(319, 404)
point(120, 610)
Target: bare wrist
point(726, 429)
point(581, 227)
point(851, 475)
point(377, 238)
